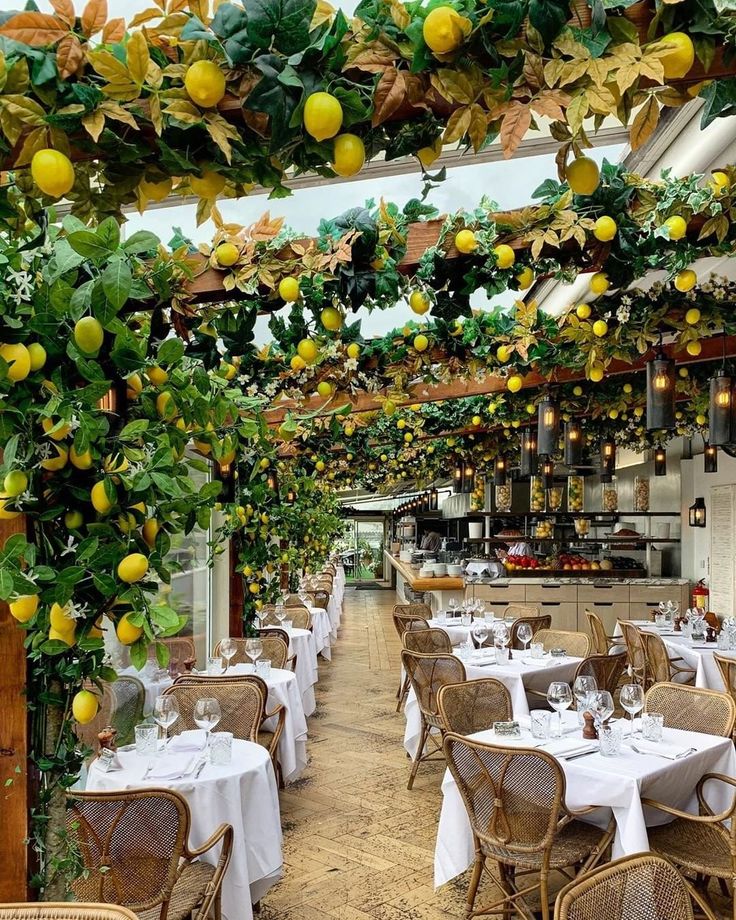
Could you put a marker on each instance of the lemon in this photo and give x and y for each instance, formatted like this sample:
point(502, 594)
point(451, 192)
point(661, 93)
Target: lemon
point(60, 618)
point(353, 350)
point(513, 383)
point(600, 328)
point(205, 83)
point(98, 496)
point(419, 302)
point(324, 388)
point(719, 182)
point(297, 363)
point(286, 434)
point(427, 155)
point(694, 348)
point(505, 256)
point(582, 311)
point(134, 386)
point(322, 116)
point(24, 608)
point(15, 483)
point(465, 241)
point(477, 420)
point(307, 350)
point(577, 391)
point(89, 335)
point(677, 227)
point(331, 319)
point(37, 354)
point(421, 342)
point(66, 637)
point(605, 229)
point(289, 289)
point(348, 154)
point(503, 353)
point(320, 466)
point(627, 388)
point(596, 373)
point(443, 30)
point(228, 371)
point(157, 375)
point(59, 461)
point(254, 587)
point(18, 360)
point(401, 423)
point(156, 191)
point(208, 185)
point(52, 172)
point(685, 280)
point(408, 437)
point(692, 318)
point(599, 283)
point(126, 632)
point(73, 520)
point(389, 407)
point(525, 278)
point(681, 58)
point(132, 568)
point(349, 431)
point(700, 419)
point(613, 414)
point(227, 254)
point(82, 461)
point(583, 175)
point(84, 706)
point(530, 408)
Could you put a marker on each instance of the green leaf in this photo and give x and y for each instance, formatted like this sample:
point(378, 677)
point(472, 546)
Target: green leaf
point(281, 24)
point(171, 351)
point(116, 281)
point(142, 241)
point(139, 654)
point(109, 233)
point(133, 430)
point(230, 25)
point(273, 97)
point(90, 245)
point(720, 101)
point(6, 584)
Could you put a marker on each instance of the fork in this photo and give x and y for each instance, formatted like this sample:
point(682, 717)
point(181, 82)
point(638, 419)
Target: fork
point(663, 756)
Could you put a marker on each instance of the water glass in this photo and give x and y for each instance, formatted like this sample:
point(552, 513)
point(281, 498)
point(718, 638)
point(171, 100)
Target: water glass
point(228, 650)
point(146, 739)
point(288, 625)
point(214, 666)
point(540, 721)
point(466, 618)
point(166, 712)
point(559, 696)
point(659, 620)
point(263, 668)
point(452, 604)
point(722, 641)
point(611, 740)
point(583, 685)
point(652, 726)
point(502, 654)
point(440, 618)
point(464, 650)
point(631, 697)
point(537, 650)
point(221, 748)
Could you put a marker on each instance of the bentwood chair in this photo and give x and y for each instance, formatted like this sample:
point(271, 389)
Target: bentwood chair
point(692, 708)
point(427, 674)
point(181, 648)
point(275, 648)
point(644, 886)
point(635, 653)
point(64, 910)
point(576, 644)
point(522, 610)
point(536, 622)
point(427, 641)
point(121, 707)
point(134, 848)
point(660, 667)
point(299, 616)
point(515, 800)
point(474, 705)
point(293, 600)
point(414, 610)
point(607, 670)
point(602, 642)
point(727, 667)
point(402, 624)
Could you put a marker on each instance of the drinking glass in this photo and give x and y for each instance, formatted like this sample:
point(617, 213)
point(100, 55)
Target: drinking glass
point(501, 633)
point(253, 649)
point(559, 696)
point(502, 654)
point(166, 712)
point(537, 650)
point(466, 618)
point(280, 613)
point(480, 632)
point(631, 698)
point(583, 685)
point(221, 748)
point(611, 740)
point(261, 613)
point(524, 634)
point(214, 665)
point(453, 607)
point(228, 650)
point(508, 619)
point(146, 739)
point(263, 668)
point(659, 620)
point(540, 720)
point(652, 726)
point(207, 715)
point(440, 617)
point(600, 704)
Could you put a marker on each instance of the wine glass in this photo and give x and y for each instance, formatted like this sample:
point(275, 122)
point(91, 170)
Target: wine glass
point(600, 704)
point(501, 634)
point(524, 634)
point(583, 685)
point(165, 713)
point(559, 697)
point(228, 650)
point(632, 700)
point(452, 604)
point(480, 632)
point(207, 714)
point(253, 649)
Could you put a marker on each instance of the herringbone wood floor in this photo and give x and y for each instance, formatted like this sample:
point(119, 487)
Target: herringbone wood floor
point(357, 844)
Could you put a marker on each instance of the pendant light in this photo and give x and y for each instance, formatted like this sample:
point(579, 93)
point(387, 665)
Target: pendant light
point(548, 472)
point(548, 427)
point(660, 461)
point(433, 499)
point(719, 410)
point(499, 471)
point(710, 458)
point(696, 513)
point(687, 449)
point(528, 452)
point(291, 496)
point(457, 475)
point(573, 443)
point(660, 392)
point(468, 477)
point(608, 460)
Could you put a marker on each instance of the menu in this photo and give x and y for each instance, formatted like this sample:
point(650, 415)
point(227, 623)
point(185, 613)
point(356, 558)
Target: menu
point(722, 579)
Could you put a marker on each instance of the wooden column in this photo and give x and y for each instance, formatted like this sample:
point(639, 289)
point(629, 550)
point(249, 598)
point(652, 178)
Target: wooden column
point(14, 745)
point(237, 596)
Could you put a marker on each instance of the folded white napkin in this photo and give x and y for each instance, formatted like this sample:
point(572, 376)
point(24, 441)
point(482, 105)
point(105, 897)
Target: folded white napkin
point(567, 747)
point(662, 749)
point(168, 767)
point(193, 740)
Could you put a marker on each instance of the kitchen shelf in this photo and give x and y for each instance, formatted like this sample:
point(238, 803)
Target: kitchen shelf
point(580, 514)
point(580, 541)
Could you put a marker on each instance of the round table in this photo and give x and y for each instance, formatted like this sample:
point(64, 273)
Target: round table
point(154, 683)
point(302, 644)
point(322, 630)
point(242, 794)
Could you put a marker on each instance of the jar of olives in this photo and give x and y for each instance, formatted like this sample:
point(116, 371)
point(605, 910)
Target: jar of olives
point(503, 497)
point(536, 493)
point(610, 497)
point(641, 493)
point(554, 498)
point(478, 495)
point(575, 492)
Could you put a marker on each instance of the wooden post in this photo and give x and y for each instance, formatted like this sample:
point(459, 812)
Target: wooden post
point(237, 595)
point(14, 748)
point(284, 568)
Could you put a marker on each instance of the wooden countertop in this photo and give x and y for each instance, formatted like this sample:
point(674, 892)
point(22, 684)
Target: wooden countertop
point(410, 574)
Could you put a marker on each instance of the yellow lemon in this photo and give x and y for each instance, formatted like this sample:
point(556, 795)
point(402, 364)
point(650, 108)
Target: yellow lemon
point(599, 283)
point(477, 420)
point(37, 354)
point(297, 363)
point(59, 461)
point(719, 182)
point(582, 311)
point(692, 317)
point(89, 335)
point(681, 58)
point(577, 391)
point(505, 256)
point(700, 419)
point(525, 278)
point(132, 568)
point(158, 190)
point(605, 229)
point(48, 423)
point(254, 587)
point(320, 466)
point(503, 353)
point(208, 185)
point(52, 172)
point(73, 520)
point(677, 227)
point(205, 83)
point(82, 461)
point(401, 423)
point(348, 154)
point(15, 483)
point(307, 350)
point(353, 350)
point(84, 706)
point(60, 618)
point(66, 637)
point(419, 302)
point(157, 375)
point(227, 254)
point(600, 328)
point(324, 388)
point(421, 342)
point(514, 383)
point(289, 289)
point(627, 388)
point(427, 155)
point(685, 280)
point(331, 319)
point(408, 437)
point(596, 373)
point(465, 241)
point(165, 405)
point(694, 348)
point(443, 30)
point(18, 360)
point(389, 407)
point(126, 631)
point(24, 608)
point(349, 431)
point(322, 116)
point(583, 175)
point(98, 496)
point(134, 386)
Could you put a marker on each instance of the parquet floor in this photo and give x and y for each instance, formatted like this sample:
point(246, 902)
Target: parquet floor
point(357, 844)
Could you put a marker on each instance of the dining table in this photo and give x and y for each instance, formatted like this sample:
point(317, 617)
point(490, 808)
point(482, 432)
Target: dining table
point(302, 644)
point(242, 793)
point(154, 679)
point(610, 784)
point(322, 630)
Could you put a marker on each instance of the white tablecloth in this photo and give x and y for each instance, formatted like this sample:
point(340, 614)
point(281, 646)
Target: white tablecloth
point(455, 630)
point(284, 689)
point(242, 794)
point(302, 644)
point(515, 675)
point(617, 783)
point(153, 684)
point(322, 629)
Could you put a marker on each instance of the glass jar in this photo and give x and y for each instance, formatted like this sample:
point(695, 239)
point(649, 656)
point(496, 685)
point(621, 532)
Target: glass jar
point(575, 492)
point(582, 527)
point(554, 498)
point(641, 493)
point(478, 495)
point(536, 494)
point(544, 530)
point(503, 497)
point(610, 497)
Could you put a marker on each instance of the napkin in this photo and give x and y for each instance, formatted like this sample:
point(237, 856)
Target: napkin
point(168, 767)
point(185, 742)
point(662, 749)
point(567, 747)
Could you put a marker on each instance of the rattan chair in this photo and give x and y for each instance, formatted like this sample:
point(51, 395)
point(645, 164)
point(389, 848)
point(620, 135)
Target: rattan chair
point(692, 708)
point(277, 651)
point(64, 910)
point(635, 653)
point(536, 622)
point(274, 631)
point(660, 667)
point(402, 623)
point(515, 800)
point(181, 648)
point(727, 667)
point(644, 886)
point(427, 641)
point(576, 644)
point(414, 610)
point(474, 705)
point(134, 847)
point(299, 616)
point(607, 670)
point(120, 706)
point(521, 610)
point(427, 674)
point(318, 598)
point(293, 600)
point(602, 642)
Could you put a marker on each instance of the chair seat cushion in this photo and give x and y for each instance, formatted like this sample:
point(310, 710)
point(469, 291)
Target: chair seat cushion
point(573, 844)
point(693, 846)
point(188, 893)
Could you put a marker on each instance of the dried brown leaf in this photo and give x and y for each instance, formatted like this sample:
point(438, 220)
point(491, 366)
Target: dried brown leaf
point(514, 126)
point(64, 9)
point(35, 29)
point(94, 17)
point(114, 31)
point(69, 56)
point(389, 95)
point(644, 124)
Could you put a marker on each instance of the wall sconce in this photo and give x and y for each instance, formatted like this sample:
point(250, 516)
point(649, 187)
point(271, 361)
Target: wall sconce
point(548, 427)
point(272, 483)
point(226, 475)
point(687, 449)
point(468, 477)
point(710, 459)
point(548, 472)
point(528, 452)
point(573, 444)
point(499, 471)
point(433, 499)
point(291, 496)
point(457, 475)
point(660, 461)
point(660, 392)
point(719, 410)
point(608, 460)
point(696, 513)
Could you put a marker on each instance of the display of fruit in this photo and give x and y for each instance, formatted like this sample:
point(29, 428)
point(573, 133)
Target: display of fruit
point(575, 489)
point(513, 563)
point(536, 494)
point(544, 530)
point(554, 498)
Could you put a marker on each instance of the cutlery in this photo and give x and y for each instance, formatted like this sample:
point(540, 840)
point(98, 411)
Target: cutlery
point(663, 756)
point(580, 754)
point(200, 766)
